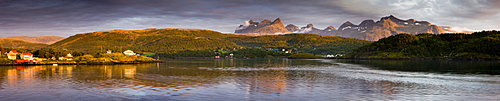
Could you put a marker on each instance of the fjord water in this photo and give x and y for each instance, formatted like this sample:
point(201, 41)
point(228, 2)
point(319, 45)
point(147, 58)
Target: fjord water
point(256, 79)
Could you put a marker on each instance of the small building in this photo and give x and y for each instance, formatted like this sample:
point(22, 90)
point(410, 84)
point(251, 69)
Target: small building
point(129, 52)
point(26, 56)
point(69, 56)
point(109, 51)
point(12, 55)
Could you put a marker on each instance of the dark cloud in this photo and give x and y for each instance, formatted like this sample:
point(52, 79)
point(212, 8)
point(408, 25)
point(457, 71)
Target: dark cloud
point(69, 17)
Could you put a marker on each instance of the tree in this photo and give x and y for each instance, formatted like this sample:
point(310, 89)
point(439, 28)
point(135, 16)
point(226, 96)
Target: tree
point(84, 58)
point(250, 53)
point(304, 56)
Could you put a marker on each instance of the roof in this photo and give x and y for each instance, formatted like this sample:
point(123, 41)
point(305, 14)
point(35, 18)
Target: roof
point(27, 54)
point(13, 51)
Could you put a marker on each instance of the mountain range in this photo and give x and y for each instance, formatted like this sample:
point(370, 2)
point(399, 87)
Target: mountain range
point(28, 42)
point(367, 30)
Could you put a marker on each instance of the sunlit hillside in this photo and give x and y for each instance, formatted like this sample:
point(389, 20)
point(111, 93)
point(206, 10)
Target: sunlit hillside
point(175, 40)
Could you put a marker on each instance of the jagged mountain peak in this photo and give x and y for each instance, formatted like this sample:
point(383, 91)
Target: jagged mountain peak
point(346, 24)
point(367, 23)
point(252, 22)
point(277, 21)
point(265, 22)
point(432, 29)
point(291, 27)
point(310, 26)
point(388, 23)
point(331, 27)
point(367, 29)
point(265, 26)
point(308, 29)
point(391, 17)
point(411, 20)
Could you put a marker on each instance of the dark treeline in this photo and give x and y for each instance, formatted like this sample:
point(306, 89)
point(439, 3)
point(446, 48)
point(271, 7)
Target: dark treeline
point(478, 45)
point(43, 52)
point(239, 53)
point(308, 43)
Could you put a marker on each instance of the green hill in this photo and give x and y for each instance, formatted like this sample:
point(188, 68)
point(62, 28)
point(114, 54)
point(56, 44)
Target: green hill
point(14, 43)
point(148, 40)
point(176, 40)
point(478, 45)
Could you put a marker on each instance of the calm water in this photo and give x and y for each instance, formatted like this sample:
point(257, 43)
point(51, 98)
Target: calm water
point(256, 79)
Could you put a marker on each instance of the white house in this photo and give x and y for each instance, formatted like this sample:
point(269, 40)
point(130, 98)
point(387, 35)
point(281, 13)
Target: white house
point(26, 56)
point(129, 52)
point(12, 55)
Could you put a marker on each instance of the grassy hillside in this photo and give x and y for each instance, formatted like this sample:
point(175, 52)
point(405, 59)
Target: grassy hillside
point(13, 43)
point(176, 40)
point(149, 40)
point(478, 45)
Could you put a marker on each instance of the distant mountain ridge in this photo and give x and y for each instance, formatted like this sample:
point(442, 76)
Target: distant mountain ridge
point(15, 43)
point(265, 26)
point(367, 30)
point(39, 39)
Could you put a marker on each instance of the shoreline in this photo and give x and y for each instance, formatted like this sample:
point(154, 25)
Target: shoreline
point(75, 63)
point(478, 59)
point(160, 61)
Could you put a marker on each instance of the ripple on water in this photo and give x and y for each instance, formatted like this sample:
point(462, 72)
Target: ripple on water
point(264, 82)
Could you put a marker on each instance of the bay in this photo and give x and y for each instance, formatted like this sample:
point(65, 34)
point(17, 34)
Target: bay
point(256, 79)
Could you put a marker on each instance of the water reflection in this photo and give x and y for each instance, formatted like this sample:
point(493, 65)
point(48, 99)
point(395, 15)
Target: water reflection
point(436, 66)
point(248, 79)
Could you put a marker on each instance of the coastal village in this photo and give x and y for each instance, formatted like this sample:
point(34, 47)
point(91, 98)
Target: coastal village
point(21, 58)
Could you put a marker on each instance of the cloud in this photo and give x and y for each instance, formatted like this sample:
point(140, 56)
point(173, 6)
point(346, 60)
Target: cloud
point(69, 17)
point(460, 29)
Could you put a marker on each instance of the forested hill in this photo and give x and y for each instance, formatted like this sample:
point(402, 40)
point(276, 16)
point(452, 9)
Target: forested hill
point(310, 43)
point(148, 40)
point(175, 40)
point(478, 45)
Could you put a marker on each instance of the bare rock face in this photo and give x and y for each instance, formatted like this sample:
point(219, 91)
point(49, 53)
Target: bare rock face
point(308, 29)
point(347, 24)
point(432, 29)
point(330, 30)
point(368, 29)
point(291, 28)
point(265, 26)
point(367, 23)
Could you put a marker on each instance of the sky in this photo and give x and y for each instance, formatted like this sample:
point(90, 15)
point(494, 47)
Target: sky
point(69, 17)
